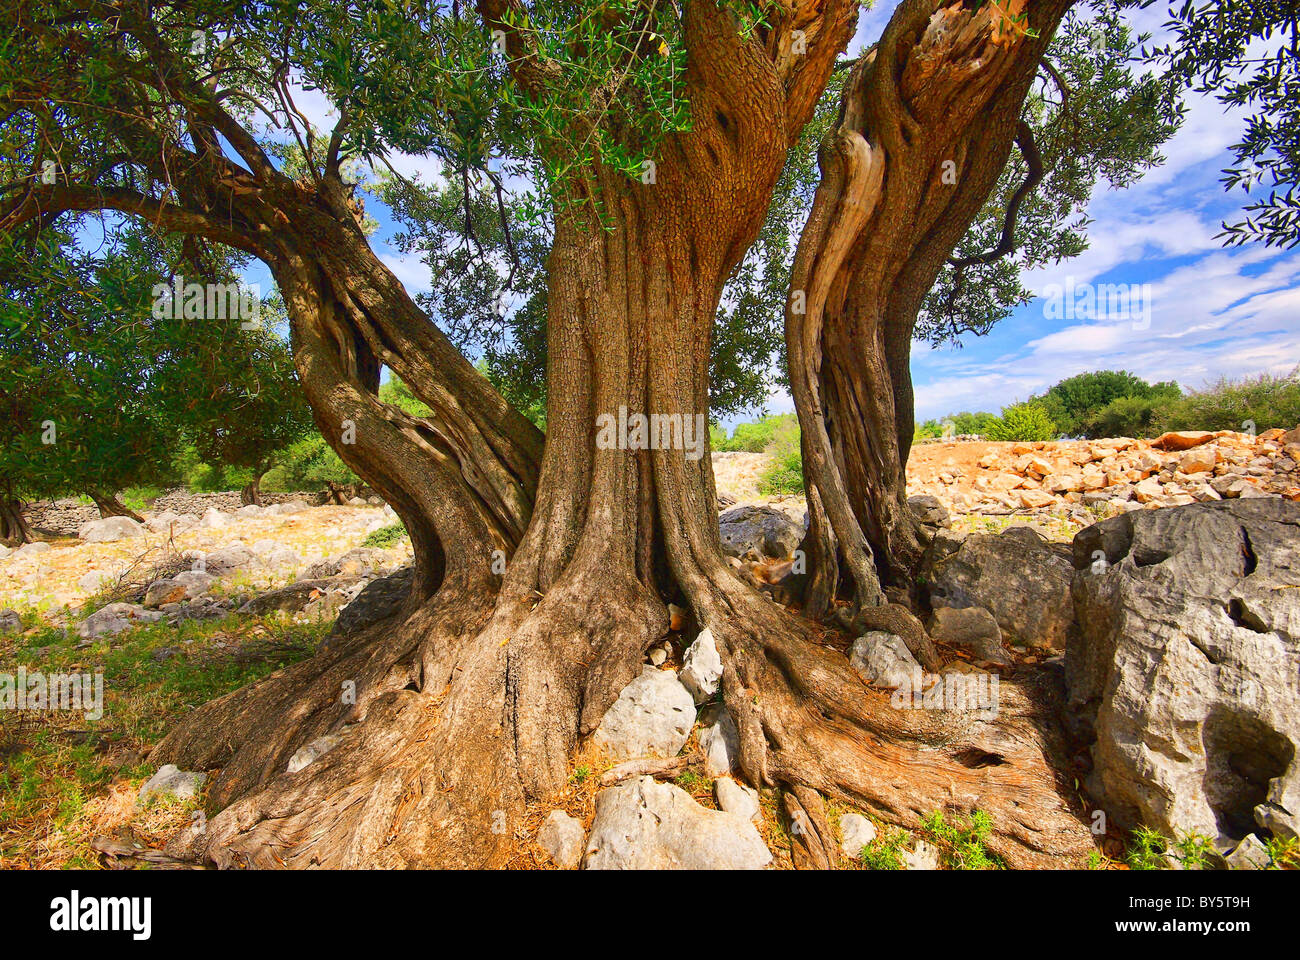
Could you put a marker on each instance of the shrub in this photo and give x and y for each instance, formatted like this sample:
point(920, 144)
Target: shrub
point(971, 423)
point(1263, 400)
point(785, 475)
point(1127, 417)
point(927, 430)
point(1073, 403)
point(1022, 421)
point(385, 536)
point(755, 437)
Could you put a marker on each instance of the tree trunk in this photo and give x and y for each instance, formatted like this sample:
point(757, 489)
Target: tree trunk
point(251, 492)
point(927, 123)
point(463, 711)
point(110, 506)
point(13, 527)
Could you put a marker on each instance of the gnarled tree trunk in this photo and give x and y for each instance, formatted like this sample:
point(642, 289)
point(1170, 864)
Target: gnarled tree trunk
point(927, 121)
point(251, 493)
point(466, 706)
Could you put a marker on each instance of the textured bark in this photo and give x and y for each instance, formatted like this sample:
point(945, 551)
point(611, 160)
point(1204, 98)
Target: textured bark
point(927, 122)
point(502, 688)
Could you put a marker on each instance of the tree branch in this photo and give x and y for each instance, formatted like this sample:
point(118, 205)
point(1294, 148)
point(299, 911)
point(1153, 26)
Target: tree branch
point(1007, 244)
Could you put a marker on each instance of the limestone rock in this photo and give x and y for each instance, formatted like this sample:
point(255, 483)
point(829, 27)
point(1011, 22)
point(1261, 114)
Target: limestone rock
point(1182, 440)
point(561, 836)
point(701, 667)
point(652, 717)
point(737, 798)
point(922, 856)
point(883, 660)
point(1019, 577)
point(755, 532)
point(290, 599)
point(971, 628)
point(164, 591)
point(214, 519)
point(1185, 672)
point(645, 825)
point(719, 740)
point(115, 618)
point(1250, 854)
point(110, 530)
point(171, 781)
point(929, 510)
point(856, 832)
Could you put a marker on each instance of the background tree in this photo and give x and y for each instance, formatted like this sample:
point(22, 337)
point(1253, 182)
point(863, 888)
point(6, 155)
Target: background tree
point(111, 391)
point(1075, 403)
point(240, 399)
point(78, 349)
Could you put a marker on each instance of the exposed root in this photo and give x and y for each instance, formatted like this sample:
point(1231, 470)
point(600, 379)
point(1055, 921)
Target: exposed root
point(808, 723)
point(461, 717)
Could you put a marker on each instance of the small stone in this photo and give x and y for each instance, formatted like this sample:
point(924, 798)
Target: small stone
point(164, 591)
point(702, 667)
point(562, 837)
point(652, 717)
point(971, 628)
point(1250, 854)
point(214, 519)
point(737, 798)
point(115, 618)
point(856, 832)
point(110, 529)
point(883, 660)
point(645, 825)
point(923, 856)
point(171, 781)
point(719, 740)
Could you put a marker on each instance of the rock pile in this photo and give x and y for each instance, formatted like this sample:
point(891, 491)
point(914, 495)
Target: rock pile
point(1122, 474)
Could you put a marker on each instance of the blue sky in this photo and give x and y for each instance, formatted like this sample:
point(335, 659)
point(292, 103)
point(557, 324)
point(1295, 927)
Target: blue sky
point(1214, 311)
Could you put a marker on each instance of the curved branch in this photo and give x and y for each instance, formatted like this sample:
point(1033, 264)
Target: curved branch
point(42, 204)
point(1007, 244)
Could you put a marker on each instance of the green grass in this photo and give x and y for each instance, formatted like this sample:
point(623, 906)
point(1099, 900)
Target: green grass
point(962, 844)
point(58, 769)
point(1283, 852)
point(385, 537)
point(785, 475)
point(886, 851)
point(1150, 850)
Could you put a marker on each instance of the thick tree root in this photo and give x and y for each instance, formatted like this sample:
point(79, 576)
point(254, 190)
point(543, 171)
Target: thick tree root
point(464, 715)
point(460, 718)
point(810, 724)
